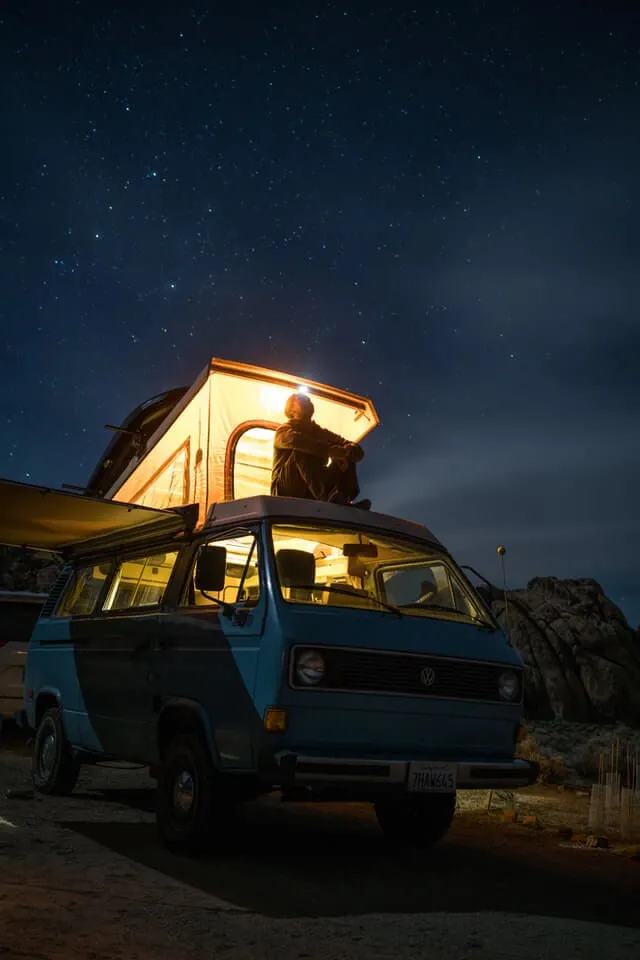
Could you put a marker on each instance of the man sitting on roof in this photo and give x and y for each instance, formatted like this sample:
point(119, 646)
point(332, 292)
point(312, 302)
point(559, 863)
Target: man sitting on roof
point(301, 452)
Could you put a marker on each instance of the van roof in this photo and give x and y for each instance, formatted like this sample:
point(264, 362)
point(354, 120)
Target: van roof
point(295, 510)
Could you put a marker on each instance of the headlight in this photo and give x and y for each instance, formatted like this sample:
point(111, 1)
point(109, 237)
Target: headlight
point(310, 668)
point(509, 685)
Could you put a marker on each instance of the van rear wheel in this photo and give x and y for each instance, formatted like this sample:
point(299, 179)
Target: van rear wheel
point(54, 769)
point(185, 812)
point(417, 820)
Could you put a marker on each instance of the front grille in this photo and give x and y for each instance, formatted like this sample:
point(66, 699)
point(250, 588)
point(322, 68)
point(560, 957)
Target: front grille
point(366, 671)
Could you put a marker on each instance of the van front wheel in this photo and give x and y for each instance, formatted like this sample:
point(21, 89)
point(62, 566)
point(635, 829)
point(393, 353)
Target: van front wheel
point(185, 799)
point(417, 820)
point(54, 768)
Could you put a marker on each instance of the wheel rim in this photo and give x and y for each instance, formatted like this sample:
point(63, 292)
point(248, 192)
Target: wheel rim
point(184, 792)
point(47, 753)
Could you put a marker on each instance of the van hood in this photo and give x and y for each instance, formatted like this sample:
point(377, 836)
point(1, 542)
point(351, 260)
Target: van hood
point(373, 630)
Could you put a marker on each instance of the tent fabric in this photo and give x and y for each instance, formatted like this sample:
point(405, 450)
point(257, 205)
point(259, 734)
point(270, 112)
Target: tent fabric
point(55, 521)
point(193, 453)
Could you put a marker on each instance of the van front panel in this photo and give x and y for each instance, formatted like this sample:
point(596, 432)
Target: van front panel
point(373, 699)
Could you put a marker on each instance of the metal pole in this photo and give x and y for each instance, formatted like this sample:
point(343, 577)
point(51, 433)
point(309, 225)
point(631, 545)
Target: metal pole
point(501, 554)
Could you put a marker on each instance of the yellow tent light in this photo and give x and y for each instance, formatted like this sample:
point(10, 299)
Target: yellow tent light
point(275, 720)
point(273, 399)
point(217, 444)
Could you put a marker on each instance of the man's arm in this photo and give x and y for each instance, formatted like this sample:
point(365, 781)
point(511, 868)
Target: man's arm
point(341, 448)
point(288, 437)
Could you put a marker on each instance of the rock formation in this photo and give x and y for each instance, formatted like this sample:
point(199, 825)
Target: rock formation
point(582, 657)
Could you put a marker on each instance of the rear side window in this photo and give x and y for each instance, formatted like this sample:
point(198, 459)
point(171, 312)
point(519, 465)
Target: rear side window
point(17, 621)
point(82, 594)
point(140, 582)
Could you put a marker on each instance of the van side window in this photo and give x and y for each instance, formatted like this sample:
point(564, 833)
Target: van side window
point(241, 574)
point(140, 582)
point(84, 589)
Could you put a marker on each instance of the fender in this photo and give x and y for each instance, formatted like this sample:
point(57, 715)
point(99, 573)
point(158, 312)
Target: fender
point(192, 705)
point(31, 706)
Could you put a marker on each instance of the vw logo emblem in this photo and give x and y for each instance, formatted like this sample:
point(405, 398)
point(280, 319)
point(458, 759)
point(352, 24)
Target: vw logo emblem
point(428, 677)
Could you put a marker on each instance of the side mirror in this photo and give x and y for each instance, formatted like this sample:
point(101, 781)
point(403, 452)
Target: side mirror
point(211, 569)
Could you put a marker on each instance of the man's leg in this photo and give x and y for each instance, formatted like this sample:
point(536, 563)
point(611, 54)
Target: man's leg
point(343, 486)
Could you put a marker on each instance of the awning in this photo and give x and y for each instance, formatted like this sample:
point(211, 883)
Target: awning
point(59, 522)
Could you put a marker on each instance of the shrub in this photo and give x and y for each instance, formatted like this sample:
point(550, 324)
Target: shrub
point(567, 750)
point(552, 766)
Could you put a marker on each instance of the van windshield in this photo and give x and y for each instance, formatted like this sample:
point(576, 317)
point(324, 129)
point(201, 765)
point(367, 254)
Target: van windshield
point(343, 567)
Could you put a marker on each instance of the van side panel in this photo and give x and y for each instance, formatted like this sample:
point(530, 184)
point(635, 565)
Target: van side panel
point(212, 659)
point(51, 671)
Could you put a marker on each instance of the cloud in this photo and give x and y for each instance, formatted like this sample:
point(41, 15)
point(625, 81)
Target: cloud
point(464, 460)
point(563, 499)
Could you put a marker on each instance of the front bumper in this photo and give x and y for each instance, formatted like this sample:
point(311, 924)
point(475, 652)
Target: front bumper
point(297, 770)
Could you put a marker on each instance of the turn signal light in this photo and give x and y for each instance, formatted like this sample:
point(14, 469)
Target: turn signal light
point(275, 720)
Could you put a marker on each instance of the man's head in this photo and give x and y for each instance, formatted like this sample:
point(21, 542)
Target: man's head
point(298, 407)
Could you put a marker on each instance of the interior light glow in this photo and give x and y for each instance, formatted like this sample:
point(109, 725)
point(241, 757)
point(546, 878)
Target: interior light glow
point(273, 399)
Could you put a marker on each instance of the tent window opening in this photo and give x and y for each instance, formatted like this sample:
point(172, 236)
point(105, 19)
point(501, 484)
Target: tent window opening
point(252, 461)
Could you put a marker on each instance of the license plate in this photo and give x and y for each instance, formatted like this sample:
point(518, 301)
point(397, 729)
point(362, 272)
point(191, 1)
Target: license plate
point(432, 777)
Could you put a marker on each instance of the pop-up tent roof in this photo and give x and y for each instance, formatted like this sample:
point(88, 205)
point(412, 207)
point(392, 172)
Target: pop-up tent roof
point(217, 442)
point(59, 522)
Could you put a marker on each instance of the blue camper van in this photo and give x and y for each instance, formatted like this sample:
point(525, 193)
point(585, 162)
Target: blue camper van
point(325, 652)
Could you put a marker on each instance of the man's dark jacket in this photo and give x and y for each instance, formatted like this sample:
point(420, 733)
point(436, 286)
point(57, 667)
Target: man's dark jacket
point(301, 449)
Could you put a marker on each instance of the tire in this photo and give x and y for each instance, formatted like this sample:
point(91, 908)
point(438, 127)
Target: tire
point(54, 769)
point(186, 800)
point(415, 821)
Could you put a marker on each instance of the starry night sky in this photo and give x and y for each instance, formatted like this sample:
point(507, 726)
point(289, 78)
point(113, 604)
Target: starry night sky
point(435, 207)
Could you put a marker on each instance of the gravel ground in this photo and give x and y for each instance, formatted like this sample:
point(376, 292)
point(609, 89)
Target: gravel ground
point(83, 878)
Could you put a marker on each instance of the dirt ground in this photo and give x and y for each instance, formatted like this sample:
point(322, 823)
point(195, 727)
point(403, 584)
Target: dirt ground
point(84, 878)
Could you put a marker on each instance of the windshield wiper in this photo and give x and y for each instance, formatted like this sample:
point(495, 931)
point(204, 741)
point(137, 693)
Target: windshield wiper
point(440, 606)
point(427, 606)
point(349, 593)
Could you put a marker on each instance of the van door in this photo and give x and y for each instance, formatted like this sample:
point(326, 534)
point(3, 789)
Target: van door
point(210, 656)
point(114, 652)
